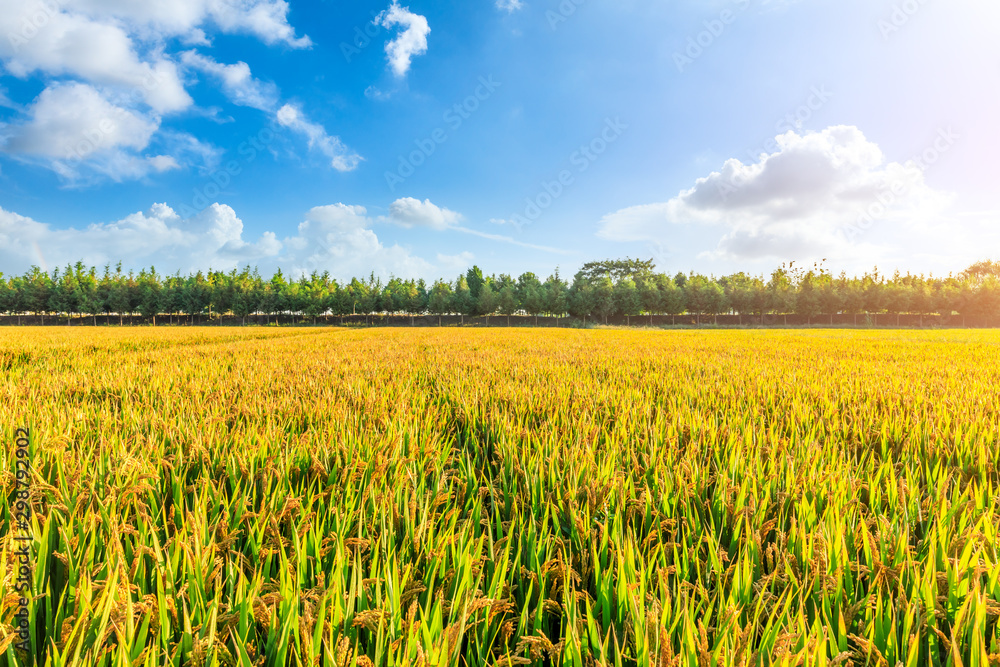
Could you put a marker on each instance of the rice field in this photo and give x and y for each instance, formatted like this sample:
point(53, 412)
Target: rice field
point(364, 498)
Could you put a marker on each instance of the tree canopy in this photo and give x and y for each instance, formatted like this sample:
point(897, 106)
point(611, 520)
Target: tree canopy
point(600, 290)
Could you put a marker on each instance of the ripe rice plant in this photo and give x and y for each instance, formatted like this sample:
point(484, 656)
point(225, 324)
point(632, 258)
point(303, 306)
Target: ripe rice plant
point(463, 497)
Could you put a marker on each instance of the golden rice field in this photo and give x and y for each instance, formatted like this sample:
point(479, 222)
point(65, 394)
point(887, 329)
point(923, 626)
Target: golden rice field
point(506, 497)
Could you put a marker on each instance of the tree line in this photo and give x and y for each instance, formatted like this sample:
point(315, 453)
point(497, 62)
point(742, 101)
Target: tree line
point(611, 289)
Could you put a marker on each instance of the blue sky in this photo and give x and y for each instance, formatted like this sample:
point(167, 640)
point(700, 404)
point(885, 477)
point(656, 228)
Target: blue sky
point(418, 138)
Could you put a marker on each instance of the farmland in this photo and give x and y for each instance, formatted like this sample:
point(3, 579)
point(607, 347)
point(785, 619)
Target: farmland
point(494, 497)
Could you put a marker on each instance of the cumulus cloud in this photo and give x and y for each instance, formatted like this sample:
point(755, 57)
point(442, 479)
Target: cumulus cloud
point(341, 157)
point(337, 238)
point(801, 201)
point(72, 124)
point(410, 212)
point(73, 120)
point(52, 40)
point(265, 19)
point(510, 6)
point(116, 53)
point(410, 42)
point(238, 84)
point(158, 236)
point(460, 262)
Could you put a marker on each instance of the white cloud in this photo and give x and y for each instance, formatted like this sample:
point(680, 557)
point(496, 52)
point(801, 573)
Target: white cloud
point(510, 6)
point(39, 37)
point(243, 89)
point(516, 224)
point(341, 157)
point(412, 41)
point(213, 238)
point(265, 19)
point(238, 83)
point(72, 129)
point(799, 202)
point(336, 238)
point(339, 238)
point(72, 121)
point(410, 212)
point(118, 50)
point(455, 263)
point(5, 101)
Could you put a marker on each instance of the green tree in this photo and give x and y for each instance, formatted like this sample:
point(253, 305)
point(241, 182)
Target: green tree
point(556, 294)
point(604, 298)
point(582, 301)
point(7, 296)
point(740, 290)
point(628, 300)
point(439, 301)
point(151, 294)
point(704, 296)
point(65, 293)
point(807, 299)
point(476, 281)
point(462, 301)
point(488, 301)
point(781, 296)
point(37, 291)
point(507, 301)
point(617, 269)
